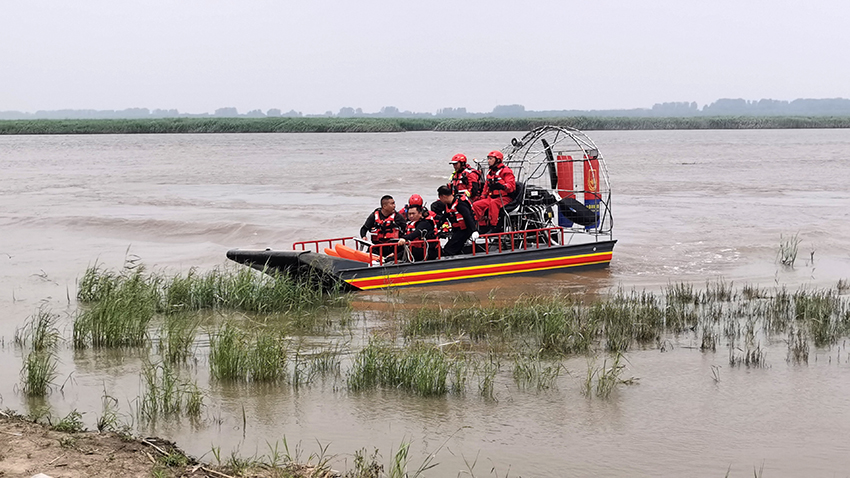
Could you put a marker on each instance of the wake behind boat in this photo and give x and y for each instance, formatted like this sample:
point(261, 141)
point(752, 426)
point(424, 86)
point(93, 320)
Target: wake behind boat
point(558, 219)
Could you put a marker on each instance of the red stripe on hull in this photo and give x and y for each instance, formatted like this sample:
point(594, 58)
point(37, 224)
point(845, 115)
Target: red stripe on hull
point(479, 271)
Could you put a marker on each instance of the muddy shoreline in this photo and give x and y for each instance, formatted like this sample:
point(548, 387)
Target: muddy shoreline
point(28, 448)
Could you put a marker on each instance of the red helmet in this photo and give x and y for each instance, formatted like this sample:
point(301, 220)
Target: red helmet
point(415, 200)
point(458, 158)
point(496, 154)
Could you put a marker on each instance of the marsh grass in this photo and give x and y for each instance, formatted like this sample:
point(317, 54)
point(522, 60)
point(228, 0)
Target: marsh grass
point(240, 355)
point(38, 338)
point(165, 394)
point(798, 348)
point(605, 379)
point(421, 368)
point(120, 305)
point(38, 372)
point(788, 247)
point(39, 332)
point(177, 335)
point(120, 310)
point(532, 372)
point(551, 324)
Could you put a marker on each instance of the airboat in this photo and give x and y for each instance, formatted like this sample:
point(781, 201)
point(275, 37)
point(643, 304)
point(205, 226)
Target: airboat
point(559, 219)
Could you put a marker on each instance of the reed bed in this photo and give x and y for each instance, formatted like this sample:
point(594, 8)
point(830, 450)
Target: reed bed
point(374, 125)
point(564, 325)
point(121, 305)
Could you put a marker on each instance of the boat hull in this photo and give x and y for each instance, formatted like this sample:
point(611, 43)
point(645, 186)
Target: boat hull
point(352, 275)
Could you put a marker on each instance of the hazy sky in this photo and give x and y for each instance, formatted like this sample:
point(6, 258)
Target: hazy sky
point(314, 55)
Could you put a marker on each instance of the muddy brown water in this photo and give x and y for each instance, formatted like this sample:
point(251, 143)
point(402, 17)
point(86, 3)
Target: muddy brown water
point(688, 206)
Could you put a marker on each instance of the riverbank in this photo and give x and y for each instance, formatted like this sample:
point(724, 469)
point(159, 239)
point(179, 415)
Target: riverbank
point(396, 125)
point(28, 448)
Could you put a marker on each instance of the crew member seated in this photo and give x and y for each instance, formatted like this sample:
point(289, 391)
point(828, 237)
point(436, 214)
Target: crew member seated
point(495, 196)
point(384, 224)
point(419, 229)
point(416, 200)
point(459, 215)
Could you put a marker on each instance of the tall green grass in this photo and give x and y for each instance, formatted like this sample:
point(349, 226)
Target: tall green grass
point(38, 372)
point(38, 339)
point(237, 354)
point(121, 305)
point(421, 369)
point(166, 394)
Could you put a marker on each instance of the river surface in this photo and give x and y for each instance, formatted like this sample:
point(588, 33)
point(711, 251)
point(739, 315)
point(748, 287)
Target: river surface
point(688, 206)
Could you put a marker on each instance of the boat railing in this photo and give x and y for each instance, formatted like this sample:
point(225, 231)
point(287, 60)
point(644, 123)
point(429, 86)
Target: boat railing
point(502, 242)
point(302, 246)
point(384, 256)
point(494, 243)
point(520, 240)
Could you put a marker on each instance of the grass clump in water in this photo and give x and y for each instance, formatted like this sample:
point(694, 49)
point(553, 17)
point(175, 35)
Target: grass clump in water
point(122, 308)
point(38, 372)
point(549, 324)
point(236, 354)
point(166, 395)
point(606, 378)
point(788, 246)
point(531, 372)
point(422, 369)
point(38, 337)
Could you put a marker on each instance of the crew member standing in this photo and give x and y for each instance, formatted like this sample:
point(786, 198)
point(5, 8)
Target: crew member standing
point(384, 223)
point(459, 215)
point(464, 179)
point(500, 183)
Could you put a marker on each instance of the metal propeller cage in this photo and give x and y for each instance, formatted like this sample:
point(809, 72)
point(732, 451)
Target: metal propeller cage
point(566, 163)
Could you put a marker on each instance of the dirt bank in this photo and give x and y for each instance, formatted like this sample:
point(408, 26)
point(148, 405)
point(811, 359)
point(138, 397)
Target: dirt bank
point(28, 448)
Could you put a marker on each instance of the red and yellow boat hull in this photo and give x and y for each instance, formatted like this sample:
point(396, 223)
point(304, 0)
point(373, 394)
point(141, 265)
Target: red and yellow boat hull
point(355, 275)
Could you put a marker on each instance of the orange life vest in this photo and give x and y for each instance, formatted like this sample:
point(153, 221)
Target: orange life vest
point(464, 180)
point(455, 217)
point(496, 176)
point(385, 228)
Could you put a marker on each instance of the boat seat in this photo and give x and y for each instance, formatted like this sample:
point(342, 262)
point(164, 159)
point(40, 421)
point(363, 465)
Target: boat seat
point(516, 197)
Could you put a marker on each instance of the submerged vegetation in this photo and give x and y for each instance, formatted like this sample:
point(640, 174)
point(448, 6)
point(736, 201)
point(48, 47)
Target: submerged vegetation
point(376, 125)
point(256, 330)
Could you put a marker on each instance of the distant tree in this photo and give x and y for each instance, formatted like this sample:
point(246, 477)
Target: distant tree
point(274, 112)
point(346, 112)
point(726, 107)
point(228, 112)
point(292, 114)
point(678, 108)
point(158, 113)
point(255, 114)
point(358, 111)
point(389, 111)
point(508, 111)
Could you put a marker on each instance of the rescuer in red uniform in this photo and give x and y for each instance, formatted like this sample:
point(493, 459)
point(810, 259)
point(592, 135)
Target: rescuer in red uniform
point(499, 184)
point(384, 223)
point(464, 179)
point(459, 214)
